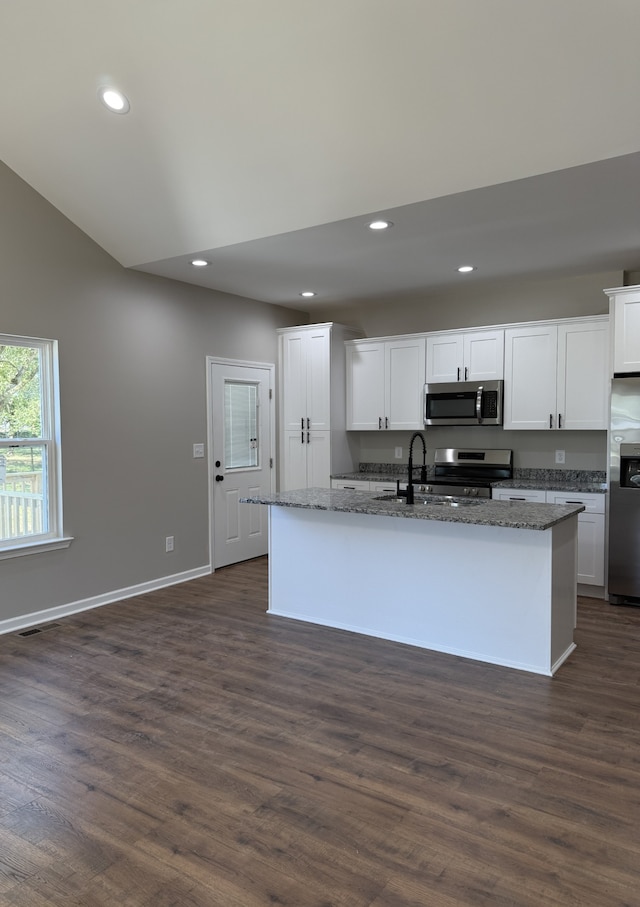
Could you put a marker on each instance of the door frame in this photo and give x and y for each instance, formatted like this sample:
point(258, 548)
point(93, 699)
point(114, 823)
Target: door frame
point(236, 363)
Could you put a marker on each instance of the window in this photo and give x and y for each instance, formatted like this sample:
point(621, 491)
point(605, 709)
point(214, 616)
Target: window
point(30, 475)
point(240, 424)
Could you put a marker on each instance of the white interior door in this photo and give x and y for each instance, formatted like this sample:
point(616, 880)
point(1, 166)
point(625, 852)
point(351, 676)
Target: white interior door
point(240, 458)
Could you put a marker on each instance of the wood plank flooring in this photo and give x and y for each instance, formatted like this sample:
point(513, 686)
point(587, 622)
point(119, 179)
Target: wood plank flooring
point(185, 749)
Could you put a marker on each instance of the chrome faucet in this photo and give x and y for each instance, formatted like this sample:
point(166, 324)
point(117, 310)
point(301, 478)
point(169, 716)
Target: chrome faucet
point(423, 471)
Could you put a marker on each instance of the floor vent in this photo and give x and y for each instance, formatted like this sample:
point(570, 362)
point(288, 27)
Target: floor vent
point(34, 630)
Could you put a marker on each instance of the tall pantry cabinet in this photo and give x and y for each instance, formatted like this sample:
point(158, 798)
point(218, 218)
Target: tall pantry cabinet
point(311, 381)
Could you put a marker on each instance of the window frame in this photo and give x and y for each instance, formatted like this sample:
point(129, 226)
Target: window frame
point(50, 440)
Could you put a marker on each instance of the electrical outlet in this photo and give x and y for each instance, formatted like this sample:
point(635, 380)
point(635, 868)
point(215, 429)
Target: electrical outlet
point(398, 453)
point(560, 456)
point(198, 451)
point(168, 543)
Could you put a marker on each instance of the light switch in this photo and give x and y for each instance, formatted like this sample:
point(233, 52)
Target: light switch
point(198, 451)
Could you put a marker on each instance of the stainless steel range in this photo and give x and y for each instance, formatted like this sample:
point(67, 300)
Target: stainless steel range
point(465, 471)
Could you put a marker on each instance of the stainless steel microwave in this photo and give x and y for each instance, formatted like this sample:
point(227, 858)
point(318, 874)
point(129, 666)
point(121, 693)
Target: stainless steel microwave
point(463, 403)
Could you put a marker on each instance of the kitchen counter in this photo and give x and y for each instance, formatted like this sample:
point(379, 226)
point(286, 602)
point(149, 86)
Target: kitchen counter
point(481, 512)
point(578, 480)
point(494, 580)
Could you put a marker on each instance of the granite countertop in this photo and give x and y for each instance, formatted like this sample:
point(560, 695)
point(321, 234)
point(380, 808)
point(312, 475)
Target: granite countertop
point(575, 485)
point(576, 480)
point(485, 512)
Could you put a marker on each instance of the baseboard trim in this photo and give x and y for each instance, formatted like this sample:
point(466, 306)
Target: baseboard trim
point(13, 624)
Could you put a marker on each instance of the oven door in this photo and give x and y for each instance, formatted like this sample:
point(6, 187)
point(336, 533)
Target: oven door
point(463, 403)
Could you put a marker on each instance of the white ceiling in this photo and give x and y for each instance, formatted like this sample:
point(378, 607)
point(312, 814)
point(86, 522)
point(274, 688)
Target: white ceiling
point(263, 135)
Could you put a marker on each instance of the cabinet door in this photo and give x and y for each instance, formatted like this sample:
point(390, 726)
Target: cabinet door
point(626, 339)
point(365, 385)
point(484, 355)
point(294, 461)
point(590, 534)
point(444, 358)
point(318, 450)
point(293, 353)
point(530, 364)
point(404, 384)
point(583, 376)
point(318, 360)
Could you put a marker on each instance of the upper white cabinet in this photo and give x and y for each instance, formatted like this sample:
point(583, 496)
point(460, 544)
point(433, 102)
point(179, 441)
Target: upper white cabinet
point(465, 356)
point(556, 375)
point(311, 373)
point(625, 310)
point(385, 382)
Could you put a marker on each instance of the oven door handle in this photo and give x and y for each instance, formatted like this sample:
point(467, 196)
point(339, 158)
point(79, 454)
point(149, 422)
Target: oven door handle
point(479, 403)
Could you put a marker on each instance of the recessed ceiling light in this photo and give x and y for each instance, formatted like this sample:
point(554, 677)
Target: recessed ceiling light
point(307, 293)
point(199, 263)
point(114, 100)
point(380, 224)
point(464, 269)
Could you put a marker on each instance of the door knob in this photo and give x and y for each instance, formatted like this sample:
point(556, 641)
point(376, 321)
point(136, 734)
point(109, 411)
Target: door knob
point(219, 478)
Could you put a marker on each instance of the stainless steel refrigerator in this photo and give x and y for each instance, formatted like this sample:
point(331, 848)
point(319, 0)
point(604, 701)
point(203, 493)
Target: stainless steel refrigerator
point(624, 491)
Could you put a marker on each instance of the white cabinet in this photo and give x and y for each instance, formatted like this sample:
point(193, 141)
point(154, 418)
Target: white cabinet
point(556, 375)
point(385, 383)
point(361, 485)
point(532, 495)
point(351, 484)
point(590, 534)
point(591, 525)
point(305, 364)
point(311, 373)
point(465, 356)
point(625, 311)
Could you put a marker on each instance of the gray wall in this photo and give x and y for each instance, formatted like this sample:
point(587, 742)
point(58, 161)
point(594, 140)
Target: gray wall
point(475, 303)
point(132, 385)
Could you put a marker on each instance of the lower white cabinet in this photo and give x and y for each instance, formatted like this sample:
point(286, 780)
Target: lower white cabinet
point(519, 494)
point(308, 458)
point(362, 485)
point(590, 534)
point(591, 530)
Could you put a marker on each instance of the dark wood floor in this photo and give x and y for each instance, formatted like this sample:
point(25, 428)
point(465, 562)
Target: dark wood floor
point(184, 748)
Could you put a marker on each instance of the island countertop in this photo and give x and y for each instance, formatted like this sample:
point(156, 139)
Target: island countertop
point(483, 512)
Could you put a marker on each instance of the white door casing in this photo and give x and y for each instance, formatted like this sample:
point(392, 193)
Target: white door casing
point(240, 416)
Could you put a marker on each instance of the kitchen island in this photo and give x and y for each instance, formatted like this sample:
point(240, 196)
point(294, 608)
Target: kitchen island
point(489, 580)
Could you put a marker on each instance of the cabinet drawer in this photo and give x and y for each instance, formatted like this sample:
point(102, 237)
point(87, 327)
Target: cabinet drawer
point(382, 486)
point(532, 495)
point(350, 484)
point(593, 503)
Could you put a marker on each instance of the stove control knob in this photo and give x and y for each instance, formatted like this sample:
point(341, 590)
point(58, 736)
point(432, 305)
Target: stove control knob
point(474, 492)
point(466, 491)
point(428, 488)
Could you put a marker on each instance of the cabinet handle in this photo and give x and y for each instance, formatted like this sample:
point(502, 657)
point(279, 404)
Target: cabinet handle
point(458, 373)
point(349, 487)
point(517, 499)
point(386, 421)
point(379, 421)
point(302, 437)
point(574, 502)
point(308, 441)
point(308, 422)
point(302, 423)
point(550, 420)
point(559, 420)
point(466, 373)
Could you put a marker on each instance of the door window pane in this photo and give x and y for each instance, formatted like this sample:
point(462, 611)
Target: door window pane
point(240, 424)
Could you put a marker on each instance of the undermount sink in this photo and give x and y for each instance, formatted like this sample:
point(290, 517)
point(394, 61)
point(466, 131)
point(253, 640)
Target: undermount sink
point(431, 500)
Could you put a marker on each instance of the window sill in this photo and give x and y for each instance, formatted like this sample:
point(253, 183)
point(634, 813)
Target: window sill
point(35, 547)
